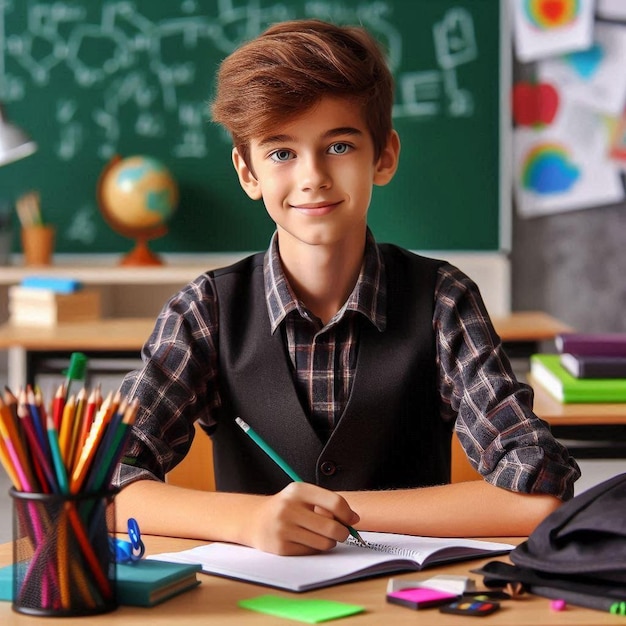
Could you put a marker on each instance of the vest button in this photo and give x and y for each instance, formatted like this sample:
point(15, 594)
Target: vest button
point(328, 468)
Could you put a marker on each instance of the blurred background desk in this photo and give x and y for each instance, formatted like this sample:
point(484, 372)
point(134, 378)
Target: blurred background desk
point(33, 351)
point(111, 344)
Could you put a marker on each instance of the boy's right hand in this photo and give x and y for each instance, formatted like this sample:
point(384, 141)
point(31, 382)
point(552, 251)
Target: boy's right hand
point(301, 519)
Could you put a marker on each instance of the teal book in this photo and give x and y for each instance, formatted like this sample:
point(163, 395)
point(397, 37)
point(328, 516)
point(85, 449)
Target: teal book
point(148, 582)
point(547, 370)
point(143, 583)
point(6, 583)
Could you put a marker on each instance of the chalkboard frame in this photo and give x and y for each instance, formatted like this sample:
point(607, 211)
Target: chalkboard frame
point(203, 224)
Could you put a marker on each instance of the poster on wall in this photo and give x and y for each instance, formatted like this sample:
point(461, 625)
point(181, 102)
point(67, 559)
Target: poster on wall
point(594, 77)
point(547, 27)
point(565, 166)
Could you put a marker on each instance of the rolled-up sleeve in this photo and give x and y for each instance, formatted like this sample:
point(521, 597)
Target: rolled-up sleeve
point(502, 437)
point(176, 386)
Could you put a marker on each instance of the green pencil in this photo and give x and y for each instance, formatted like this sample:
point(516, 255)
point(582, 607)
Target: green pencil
point(283, 464)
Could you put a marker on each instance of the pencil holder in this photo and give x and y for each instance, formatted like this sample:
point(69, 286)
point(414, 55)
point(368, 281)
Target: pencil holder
point(38, 244)
point(62, 562)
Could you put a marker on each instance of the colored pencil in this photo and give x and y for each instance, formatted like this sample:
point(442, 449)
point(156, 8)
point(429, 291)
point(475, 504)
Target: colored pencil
point(114, 449)
point(63, 556)
point(67, 424)
point(23, 483)
point(58, 404)
point(38, 425)
point(88, 452)
point(14, 433)
point(57, 458)
point(39, 456)
point(5, 459)
point(10, 400)
point(76, 426)
point(93, 403)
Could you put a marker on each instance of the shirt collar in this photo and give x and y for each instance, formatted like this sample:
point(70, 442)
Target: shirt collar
point(369, 296)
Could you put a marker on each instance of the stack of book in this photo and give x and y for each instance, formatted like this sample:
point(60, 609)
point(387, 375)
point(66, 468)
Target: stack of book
point(52, 301)
point(589, 367)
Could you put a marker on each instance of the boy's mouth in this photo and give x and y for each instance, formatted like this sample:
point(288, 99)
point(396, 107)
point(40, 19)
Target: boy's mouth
point(316, 208)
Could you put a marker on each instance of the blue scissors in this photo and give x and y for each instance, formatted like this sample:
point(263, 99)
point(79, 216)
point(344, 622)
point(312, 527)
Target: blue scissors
point(128, 551)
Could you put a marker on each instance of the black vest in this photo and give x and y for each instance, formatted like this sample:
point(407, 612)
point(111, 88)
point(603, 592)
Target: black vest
point(390, 434)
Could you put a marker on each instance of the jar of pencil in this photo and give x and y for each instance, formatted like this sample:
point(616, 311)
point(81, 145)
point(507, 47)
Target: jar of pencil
point(37, 237)
point(61, 460)
point(62, 563)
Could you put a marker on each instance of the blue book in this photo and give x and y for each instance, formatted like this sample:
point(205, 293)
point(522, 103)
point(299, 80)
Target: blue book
point(57, 284)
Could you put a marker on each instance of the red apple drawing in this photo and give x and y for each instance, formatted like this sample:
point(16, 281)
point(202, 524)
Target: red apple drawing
point(534, 104)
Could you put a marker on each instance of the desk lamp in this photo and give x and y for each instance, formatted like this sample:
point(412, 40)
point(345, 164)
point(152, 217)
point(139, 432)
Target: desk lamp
point(14, 143)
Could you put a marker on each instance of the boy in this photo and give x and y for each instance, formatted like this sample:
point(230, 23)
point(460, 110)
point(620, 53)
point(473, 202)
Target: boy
point(352, 360)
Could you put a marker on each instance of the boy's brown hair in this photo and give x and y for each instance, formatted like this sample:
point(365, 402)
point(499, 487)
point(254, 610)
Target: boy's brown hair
point(290, 67)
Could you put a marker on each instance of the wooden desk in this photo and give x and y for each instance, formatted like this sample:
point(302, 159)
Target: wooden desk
point(528, 327)
point(215, 602)
point(521, 332)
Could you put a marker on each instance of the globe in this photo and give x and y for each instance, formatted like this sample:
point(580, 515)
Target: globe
point(137, 196)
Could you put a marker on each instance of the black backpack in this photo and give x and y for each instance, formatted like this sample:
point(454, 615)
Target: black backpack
point(577, 553)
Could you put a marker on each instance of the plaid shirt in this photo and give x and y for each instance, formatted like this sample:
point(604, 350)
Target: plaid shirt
point(178, 384)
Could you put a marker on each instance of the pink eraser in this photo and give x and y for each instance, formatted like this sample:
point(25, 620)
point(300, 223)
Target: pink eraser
point(558, 605)
point(420, 597)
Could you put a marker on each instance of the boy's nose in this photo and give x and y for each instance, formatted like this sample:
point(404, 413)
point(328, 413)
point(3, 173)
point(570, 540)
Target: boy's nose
point(313, 174)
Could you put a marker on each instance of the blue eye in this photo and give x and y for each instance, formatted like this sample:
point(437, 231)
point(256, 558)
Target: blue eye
point(281, 155)
point(339, 148)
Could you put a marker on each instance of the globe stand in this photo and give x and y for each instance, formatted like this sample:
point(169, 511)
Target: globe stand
point(141, 255)
point(128, 197)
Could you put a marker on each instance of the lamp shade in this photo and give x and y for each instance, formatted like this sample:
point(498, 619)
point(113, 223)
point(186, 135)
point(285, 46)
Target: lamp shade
point(14, 143)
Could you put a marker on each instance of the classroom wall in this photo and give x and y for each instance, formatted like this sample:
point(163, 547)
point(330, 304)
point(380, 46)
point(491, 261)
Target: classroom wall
point(573, 265)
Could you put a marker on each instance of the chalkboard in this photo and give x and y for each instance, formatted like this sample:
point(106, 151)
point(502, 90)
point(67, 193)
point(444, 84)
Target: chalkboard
point(90, 80)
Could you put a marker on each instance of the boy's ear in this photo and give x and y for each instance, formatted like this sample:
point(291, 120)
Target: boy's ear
point(247, 179)
point(387, 163)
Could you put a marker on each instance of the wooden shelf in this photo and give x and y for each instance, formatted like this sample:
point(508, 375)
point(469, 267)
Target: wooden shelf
point(104, 270)
point(106, 334)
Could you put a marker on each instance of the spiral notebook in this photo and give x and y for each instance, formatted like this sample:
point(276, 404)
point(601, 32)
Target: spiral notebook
point(384, 554)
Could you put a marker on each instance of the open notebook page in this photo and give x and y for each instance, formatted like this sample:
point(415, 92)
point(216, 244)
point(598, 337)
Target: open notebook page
point(347, 561)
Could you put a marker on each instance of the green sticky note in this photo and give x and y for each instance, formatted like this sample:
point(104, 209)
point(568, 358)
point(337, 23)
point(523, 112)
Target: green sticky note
point(310, 611)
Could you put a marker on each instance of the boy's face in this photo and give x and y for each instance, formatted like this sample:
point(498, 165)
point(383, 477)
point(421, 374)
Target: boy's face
point(315, 174)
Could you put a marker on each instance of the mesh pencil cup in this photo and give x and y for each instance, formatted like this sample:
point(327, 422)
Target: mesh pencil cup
point(62, 563)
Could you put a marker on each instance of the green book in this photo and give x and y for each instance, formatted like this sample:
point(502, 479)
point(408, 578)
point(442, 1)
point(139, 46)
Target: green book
point(546, 369)
point(148, 582)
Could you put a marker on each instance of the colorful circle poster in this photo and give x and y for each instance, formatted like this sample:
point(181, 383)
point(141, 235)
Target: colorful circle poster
point(547, 27)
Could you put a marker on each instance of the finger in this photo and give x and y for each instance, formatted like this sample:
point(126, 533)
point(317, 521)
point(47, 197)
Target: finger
point(302, 535)
point(329, 501)
point(297, 519)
